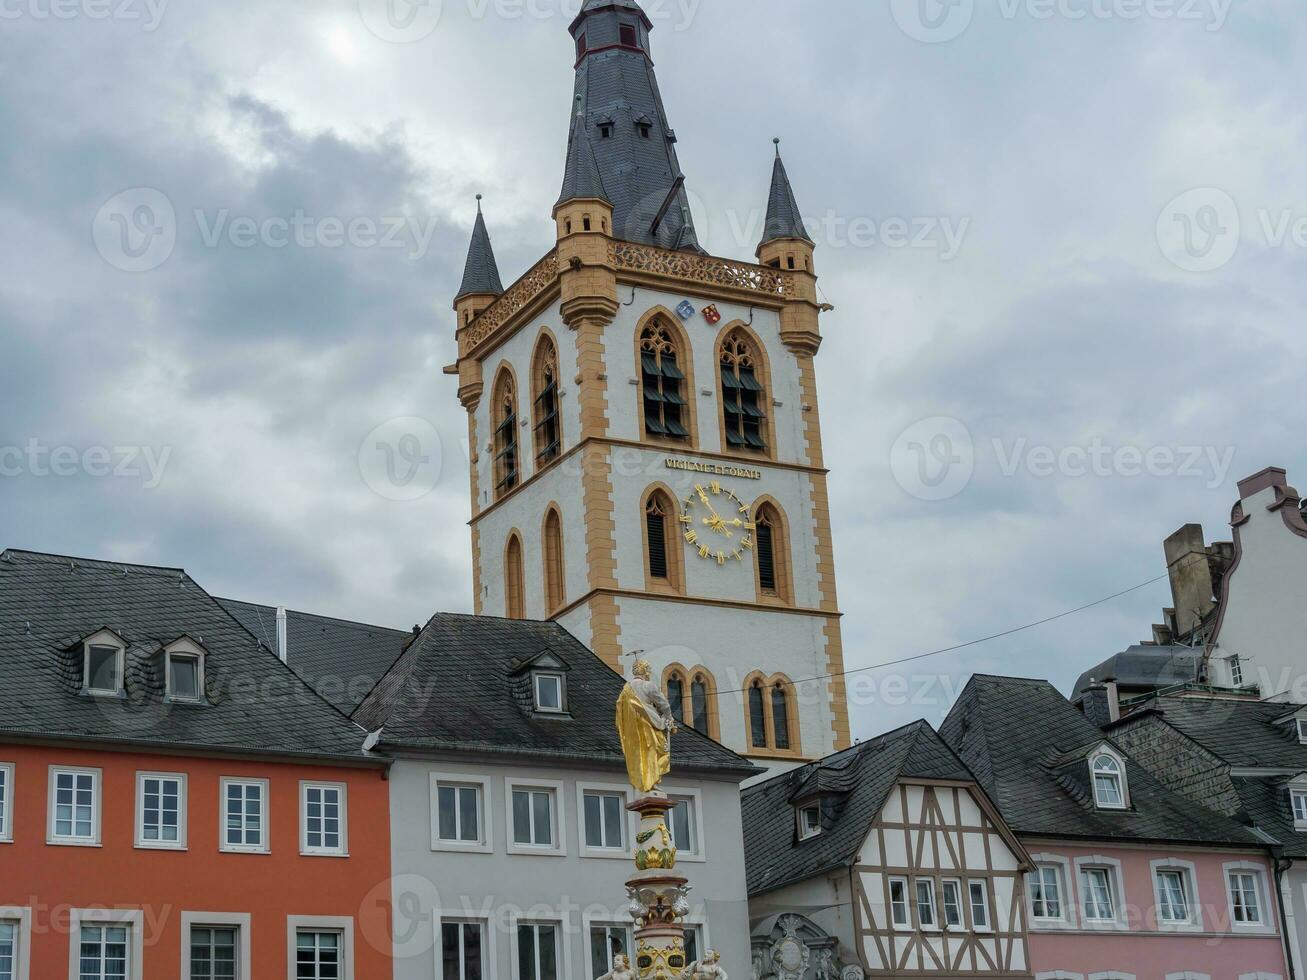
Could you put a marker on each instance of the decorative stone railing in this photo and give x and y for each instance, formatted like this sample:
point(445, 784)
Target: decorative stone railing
point(522, 293)
point(705, 269)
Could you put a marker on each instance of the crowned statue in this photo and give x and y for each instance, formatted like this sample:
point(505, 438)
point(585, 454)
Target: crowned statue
point(645, 724)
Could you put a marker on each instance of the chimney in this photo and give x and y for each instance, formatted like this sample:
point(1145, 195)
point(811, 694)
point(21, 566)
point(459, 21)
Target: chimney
point(1101, 703)
point(1188, 564)
point(282, 650)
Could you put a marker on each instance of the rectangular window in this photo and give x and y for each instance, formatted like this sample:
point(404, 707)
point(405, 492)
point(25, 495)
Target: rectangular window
point(1236, 672)
point(1096, 883)
point(1245, 898)
point(607, 942)
point(682, 823)
point(810, 821)
point(324, 818)
point(1046, 893)
point(104, 673)
point(1172, 896)
point(1302, 730)
point(183, 677)
point(693, 942)
point(533, 817)
point(979, 895)
point(458, 813)
point(537, 952)
point(605, 816)
point(6, 807)
point(461, 950)
point(213, 953)
point(75, 813)
point(1299, 807)
point(161, 810)
point(103, 953)
point(627, 35)
point(926, 916)
point(245, 815)
point(8, 950)
point(898, 903)
point(549, 693)
point(953, 903)
point(318, 955)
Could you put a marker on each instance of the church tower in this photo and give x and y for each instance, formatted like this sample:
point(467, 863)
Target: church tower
point(647, 466)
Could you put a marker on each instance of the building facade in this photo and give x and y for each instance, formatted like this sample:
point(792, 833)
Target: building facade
point(174, 802)
point(1130, 877)
point(885, 860)
point(508, 801)
point(647, 466)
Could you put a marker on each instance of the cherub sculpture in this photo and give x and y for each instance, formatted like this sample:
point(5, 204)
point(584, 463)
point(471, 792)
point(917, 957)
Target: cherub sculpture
point(621, 969)
point(708, 968)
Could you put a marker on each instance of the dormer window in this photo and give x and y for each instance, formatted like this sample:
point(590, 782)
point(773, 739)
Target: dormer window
point(549, 693)
point(1302, 731)
point(184, 667)
point(1109, 782)
point(581, 47)
point(645, 130)
point(606, 131)
point(103, 657)
point(629, 37)
point(809, 821)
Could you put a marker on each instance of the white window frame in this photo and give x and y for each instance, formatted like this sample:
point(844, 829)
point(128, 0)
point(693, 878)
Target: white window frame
point(560, 935)
point(1302, 730)
point(7, 770)
point(696, 922)
point(20, 917)
point(184, 649)
point(628, 821)
point(182, 805)
point(439, 917)
point(1188, 975)
point(1066, 893)
point(109, 640)
point(1123, 788)
point(983, 884)
point(1298, 792)
point(536, 678)
point(342, 924)
point(806, 832)
point(937, 925)
point(697, 854)
point(559, 846)
point(591, 922)
point(1189, 873)
point(1265, 924)
point(1116, 884)
point(908, 899)
point(1111, 975)
point(960, 904)
point(456, 780)
point(341, 850)
point(240, 921)
point(132, 919)
point(97, 807)
point(265, 824)
point(1236, 672)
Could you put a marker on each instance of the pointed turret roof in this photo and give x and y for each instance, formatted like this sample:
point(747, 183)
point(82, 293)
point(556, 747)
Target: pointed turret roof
point(783, 218)
point(581, 179)
point(480, 274)
point(632, 145)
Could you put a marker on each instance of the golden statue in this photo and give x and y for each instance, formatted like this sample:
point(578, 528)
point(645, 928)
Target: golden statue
point(645, 724)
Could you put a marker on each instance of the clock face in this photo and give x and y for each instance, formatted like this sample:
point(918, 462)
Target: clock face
point(716, 524)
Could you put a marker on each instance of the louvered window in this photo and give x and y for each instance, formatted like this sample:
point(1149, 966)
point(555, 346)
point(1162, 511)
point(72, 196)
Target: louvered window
point(780, 716)
point(656, 527)
point(548, 427)
point(757, 716)
point(766, 548)
point(743, 395)
point(662, 385)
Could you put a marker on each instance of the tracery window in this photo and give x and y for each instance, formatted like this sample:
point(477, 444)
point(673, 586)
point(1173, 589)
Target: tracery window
point(743, 394)
point(663, 384)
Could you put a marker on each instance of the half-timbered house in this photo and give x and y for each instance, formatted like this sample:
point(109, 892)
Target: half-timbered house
point(885, 860)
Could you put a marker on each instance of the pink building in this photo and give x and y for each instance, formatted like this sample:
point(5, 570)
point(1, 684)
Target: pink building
point(1131, 880)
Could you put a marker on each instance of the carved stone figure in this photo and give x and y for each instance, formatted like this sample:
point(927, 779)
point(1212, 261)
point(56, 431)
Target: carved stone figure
point(645, 724)
point(789, 954)
point(708, 968)
point(621, 969)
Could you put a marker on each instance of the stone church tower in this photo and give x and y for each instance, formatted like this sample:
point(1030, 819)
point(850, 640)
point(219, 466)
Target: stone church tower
point(647, 466)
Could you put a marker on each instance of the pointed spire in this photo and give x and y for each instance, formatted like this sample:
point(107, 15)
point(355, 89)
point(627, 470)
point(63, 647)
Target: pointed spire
point(783, 218)
point(480, 274)
point(581, 180)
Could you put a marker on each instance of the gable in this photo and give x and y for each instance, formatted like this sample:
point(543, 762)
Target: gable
point(940, 827)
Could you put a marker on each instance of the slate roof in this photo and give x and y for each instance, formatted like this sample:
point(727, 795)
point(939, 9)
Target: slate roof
point(343, 660)
point(1247, 735)
point(783, 218)
point(256, 705)
point(618, 85)
point(1144, 667)
point(1021, 738)
point(480, 272)
point(461, 686)
point(581, 179)
point(855, 784)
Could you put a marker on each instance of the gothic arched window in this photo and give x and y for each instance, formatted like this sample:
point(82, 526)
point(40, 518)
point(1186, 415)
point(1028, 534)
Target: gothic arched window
point(772, 553)
point(780, 716)
point(548, 424)
point(744, 396)
point(504, 418)
point(700, 710)
point(662, 551)
point(771, 714)
point(663, 383)
point(555, 593)
point(757, 716)
point(514, 579)
point(676, 697)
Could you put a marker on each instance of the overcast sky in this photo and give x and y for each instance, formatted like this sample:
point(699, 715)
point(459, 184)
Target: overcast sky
point(1052, 231)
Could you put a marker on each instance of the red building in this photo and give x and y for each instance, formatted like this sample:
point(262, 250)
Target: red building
point(174, 800)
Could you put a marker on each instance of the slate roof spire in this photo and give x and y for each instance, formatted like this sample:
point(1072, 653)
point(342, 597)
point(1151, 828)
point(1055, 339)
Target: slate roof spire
point(480, 273)
point(622, 116)
point(582, 180)
point(783, 218)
